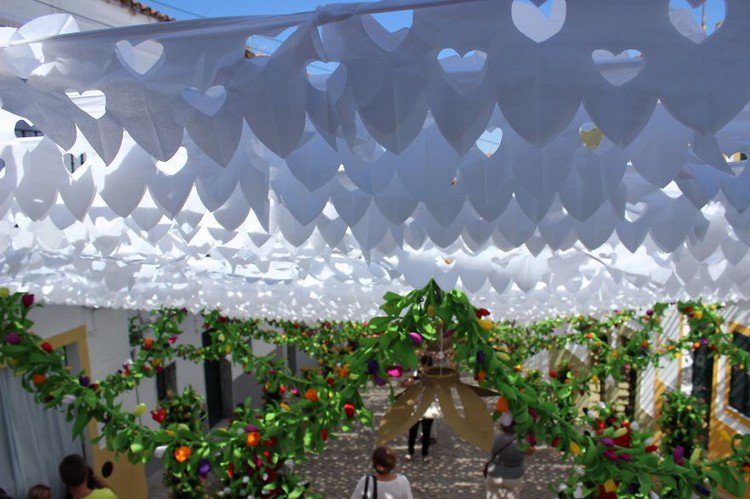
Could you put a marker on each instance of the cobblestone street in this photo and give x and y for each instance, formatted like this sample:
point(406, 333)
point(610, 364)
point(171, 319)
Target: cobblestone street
point(454, 471)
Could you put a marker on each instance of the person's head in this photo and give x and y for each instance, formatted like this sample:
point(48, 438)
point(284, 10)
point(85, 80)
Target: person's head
point(383, 459)
point(39, 492)
point(74, 471)
point(426, 360)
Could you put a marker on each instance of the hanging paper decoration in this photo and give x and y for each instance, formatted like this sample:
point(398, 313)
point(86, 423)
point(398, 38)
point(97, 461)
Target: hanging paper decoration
point(436, 385)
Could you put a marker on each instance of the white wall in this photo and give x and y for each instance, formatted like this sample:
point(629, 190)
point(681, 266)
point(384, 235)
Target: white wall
point(90, 14)
point(108, 345)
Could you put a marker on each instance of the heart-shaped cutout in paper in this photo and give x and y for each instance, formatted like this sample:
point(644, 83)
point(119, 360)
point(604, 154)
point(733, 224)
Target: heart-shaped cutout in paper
point(394, 22)
point(697, 20)
point(173, 164)
point(318, 73)
point(590, 135)
point(388, 30)
point(140, 58)
point(538, 20)
point(208, 102)
point(91, 102)
point(452, 62)
point(621, 68)
point(735, 157)
point(490, 140)
point(73, 162)
point(25, 129)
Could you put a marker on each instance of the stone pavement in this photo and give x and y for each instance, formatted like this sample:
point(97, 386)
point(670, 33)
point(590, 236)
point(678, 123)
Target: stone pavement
point(454, 471)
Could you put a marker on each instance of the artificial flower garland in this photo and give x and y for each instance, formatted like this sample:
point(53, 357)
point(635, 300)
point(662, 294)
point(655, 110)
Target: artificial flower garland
point(249, 455)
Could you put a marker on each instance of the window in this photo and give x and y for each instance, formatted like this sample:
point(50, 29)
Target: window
point(166, 381)
point(739, 382)
point(24, 129)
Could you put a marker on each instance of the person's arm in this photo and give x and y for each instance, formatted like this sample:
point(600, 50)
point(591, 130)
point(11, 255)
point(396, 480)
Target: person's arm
point(359, 489)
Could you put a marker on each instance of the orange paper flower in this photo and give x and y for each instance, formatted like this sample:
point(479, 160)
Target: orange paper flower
point(253, 438)
point(183, 453)
point(502, 405)
point(311, 395)
point(38, 379)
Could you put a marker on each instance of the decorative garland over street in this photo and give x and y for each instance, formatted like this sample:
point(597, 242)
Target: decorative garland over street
point(249, 455)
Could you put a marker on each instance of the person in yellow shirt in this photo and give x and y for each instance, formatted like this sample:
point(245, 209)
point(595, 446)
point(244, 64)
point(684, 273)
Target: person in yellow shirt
point(75, 474)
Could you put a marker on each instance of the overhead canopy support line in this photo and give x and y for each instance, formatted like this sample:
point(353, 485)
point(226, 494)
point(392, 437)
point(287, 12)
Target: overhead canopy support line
point(327, 14)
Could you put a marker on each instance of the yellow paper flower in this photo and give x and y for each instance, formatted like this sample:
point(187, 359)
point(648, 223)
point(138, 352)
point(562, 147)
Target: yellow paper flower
point(139, 409)
point(4, 292)
point(485, 324)
point(182, 454)
point(285, 407)
point(610, 486)
point(574, 449)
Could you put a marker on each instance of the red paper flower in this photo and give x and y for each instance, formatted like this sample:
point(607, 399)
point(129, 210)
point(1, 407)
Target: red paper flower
point(349, 409)
point(651, 448)
point(47, 347)
point(39, 379)
point(159, 416)
point(324, 434)
point(481, 312)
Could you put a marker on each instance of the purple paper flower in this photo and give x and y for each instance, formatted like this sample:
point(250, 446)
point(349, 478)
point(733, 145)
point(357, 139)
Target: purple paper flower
point(379, 381)
point(372, 366)
point(84, 381)
point(12, 338)
point(172, 339)
point(204, 468)
point(679, 455)
point(295, 391)
point(416, 338)
point(480, 357)
point(251, 428)
point(448, 333)
point(531, 437)
point(395, 371)
point(701, 489)
point(533, 413)
point(633, 488)
point(625, 457)
point(649, 312)
point(27, 300)
point(608, 442)
point(611, 455)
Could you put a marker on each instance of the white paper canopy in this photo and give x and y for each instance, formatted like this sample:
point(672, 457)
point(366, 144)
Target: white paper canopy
point(577, 159)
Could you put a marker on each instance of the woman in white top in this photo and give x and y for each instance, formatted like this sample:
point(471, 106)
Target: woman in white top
point(384, 484)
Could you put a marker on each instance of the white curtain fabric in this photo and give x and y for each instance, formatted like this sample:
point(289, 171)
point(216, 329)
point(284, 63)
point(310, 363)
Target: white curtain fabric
point(33, 441)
